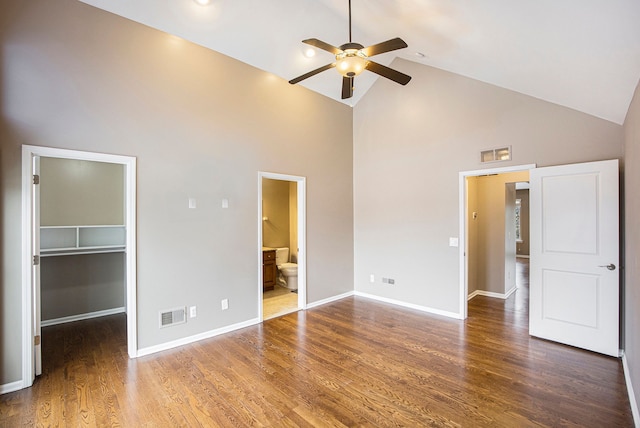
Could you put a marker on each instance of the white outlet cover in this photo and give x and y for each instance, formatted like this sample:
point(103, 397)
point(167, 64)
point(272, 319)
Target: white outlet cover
point(192, 203)
point(224, 304)
point(453, 242)
point(192, 312)
point(225, 203)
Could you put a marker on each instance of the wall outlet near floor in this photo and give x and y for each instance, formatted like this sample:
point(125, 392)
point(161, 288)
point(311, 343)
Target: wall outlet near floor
point(224, 303)
point(390, 281)
point(372, 278)
point(192, 312)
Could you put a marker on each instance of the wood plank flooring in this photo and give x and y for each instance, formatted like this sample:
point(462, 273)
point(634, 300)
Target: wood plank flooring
point(355, 362)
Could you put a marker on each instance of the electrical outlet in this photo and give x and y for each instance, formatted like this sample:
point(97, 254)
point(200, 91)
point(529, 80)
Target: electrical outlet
point(390, 281)
point(372, 278)
point(192, 312)
point(224, 304)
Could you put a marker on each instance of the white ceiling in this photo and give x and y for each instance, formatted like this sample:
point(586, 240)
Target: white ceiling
point(582, 54)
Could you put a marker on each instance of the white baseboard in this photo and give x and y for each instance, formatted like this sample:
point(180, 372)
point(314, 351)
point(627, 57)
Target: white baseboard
point(187, 340)
point(492, 294)
point(330, 299)
point(80, 317)
point(11, 387)
point(632, 395)
point(409, 305)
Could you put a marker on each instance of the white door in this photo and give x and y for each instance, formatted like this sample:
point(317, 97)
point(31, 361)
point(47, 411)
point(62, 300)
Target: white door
point(574, 255)
point(37, 329)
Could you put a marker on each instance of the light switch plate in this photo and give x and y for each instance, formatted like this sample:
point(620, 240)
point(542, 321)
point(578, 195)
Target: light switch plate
point(192, 203)
point(453, 242)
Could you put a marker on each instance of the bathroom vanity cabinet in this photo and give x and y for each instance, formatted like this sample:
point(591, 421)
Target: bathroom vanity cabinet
point(268, 270)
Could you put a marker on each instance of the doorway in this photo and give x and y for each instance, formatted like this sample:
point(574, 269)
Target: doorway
point(282, 224)
point(77, 240)
point(503, 278)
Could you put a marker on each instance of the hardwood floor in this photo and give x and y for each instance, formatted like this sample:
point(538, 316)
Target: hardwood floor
point(355, 362)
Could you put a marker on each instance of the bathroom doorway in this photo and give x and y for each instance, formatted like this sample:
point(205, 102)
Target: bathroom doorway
point(282, 258)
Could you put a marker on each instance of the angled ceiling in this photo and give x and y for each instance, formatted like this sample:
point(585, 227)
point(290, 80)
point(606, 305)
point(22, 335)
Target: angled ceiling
point(582, 54)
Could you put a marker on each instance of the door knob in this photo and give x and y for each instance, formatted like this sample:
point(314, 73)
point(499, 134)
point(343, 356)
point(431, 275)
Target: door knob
point(610, 266)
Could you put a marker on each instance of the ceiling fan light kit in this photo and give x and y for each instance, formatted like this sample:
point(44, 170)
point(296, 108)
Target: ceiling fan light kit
point(353, 58)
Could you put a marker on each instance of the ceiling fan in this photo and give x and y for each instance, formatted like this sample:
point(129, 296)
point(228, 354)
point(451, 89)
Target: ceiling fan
point(353, 58)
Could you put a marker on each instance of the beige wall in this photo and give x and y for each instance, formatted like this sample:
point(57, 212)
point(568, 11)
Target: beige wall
point(76, 192)
point(494, 253)
point(201, 125)
point(632, 242)
point(293, 222)
point(275, 207)
point(81, 284)
point(411, 142)
point(472, 234)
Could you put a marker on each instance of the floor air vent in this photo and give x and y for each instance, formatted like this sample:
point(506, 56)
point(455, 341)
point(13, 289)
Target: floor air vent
point(173, 316)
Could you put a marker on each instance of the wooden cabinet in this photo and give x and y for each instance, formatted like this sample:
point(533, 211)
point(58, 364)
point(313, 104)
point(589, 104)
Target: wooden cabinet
point(268, 270)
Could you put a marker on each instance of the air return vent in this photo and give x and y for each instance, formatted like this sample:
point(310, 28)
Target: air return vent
point(169, 317)
point(496, 155)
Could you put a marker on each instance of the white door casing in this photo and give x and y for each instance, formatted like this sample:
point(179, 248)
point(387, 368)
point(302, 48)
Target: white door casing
point(302, 234)
point(31, 247)
point(37, 315)
point(574, 277)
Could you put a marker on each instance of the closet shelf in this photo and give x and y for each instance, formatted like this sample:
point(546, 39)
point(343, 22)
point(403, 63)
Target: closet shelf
point(73, 240)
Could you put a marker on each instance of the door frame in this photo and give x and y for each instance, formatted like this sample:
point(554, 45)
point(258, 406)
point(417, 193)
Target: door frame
point(302, 236)
point(462, 243)
point(28, 250)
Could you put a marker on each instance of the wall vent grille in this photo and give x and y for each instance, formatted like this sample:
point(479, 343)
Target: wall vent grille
point(496, 155)
point(169, 317)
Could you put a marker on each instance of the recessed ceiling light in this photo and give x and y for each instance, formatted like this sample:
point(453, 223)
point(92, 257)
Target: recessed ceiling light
point(203, 2)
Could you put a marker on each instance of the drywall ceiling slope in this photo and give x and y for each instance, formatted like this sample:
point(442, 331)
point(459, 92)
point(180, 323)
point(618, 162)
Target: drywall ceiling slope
point(582, 54)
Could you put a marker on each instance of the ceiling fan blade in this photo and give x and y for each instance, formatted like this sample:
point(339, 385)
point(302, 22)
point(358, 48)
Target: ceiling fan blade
point(388, 46)
point(322, 45)
point(387, 72)
point(347, 87)
point(312, 73)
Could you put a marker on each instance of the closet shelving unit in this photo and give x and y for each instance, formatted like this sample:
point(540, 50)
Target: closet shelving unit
point(72, 240)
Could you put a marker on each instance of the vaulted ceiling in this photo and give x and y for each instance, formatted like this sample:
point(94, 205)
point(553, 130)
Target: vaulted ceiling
point(582, 54)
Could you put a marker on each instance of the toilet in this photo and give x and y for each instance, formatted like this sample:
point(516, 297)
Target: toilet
point(287, 272)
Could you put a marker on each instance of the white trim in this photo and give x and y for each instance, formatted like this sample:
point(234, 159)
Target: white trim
point(330, 299)
point(28, 357)
point(195, 338)
point(28, 153)
point(462, 250)
point(302, 236)
point(81, 317)
point(409, 305)
point(632, 395)
point(11, 387)
point(492, 294)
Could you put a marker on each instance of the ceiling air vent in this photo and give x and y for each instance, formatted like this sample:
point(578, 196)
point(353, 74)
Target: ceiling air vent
point(495, 155)
point(173, 316)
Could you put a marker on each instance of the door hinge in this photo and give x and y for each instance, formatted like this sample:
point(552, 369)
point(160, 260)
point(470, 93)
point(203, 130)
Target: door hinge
point(36, 260)
point(36, 340)
point(36, 179)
